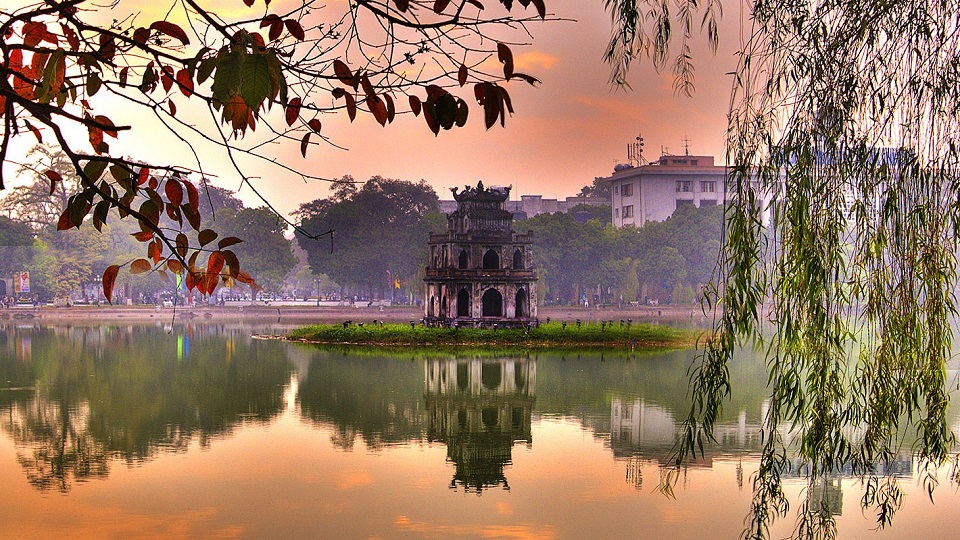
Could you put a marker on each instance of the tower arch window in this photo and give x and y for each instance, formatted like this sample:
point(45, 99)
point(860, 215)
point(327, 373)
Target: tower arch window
point(464, 261)
point(522, 303)
point(518, 259)
point(463, 303)
point(491, 260)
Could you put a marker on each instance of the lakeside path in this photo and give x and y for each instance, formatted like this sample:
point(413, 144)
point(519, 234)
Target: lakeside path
point(306, 313)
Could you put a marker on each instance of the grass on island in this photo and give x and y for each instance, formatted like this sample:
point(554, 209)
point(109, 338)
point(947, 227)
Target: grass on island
point(551, 335)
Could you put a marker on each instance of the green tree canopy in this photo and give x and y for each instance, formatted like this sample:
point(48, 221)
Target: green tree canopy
point(381, 232)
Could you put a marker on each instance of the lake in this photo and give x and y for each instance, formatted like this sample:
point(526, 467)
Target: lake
point(198, 430)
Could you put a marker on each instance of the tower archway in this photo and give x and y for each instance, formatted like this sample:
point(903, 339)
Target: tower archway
point(463, 303)
point(522, 303)
point(492, 302)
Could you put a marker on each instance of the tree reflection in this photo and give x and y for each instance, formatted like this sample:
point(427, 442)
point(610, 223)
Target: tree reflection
point(100, 394)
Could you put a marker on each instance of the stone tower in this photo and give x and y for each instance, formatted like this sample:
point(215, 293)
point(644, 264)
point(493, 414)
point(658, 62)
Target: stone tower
point(480, 272)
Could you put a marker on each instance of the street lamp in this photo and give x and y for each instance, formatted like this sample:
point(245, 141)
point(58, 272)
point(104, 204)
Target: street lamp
point(318, 291)
point(99, 281)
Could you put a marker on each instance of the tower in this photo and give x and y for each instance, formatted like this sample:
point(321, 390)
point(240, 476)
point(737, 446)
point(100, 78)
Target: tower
point(480, 272)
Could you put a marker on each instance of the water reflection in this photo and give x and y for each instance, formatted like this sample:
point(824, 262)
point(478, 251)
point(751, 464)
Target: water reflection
point(300, 426)
point(479, 408)
point(89, 395)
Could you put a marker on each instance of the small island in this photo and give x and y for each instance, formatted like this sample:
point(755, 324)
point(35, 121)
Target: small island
point(554, 335)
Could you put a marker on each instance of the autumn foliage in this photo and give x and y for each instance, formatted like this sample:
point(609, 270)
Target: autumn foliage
point(63, 68)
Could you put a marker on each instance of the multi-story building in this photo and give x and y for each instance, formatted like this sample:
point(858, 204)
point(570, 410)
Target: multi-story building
point(653, 191)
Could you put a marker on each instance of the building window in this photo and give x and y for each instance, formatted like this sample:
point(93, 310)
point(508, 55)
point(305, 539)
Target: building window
point(628, 211)
point(616, 190)
point(708, 187)
point(684, 186)
point(616, 212)
point(693, 162)
point(627, 190)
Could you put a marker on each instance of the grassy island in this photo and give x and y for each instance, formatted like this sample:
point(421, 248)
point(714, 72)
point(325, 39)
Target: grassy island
point(551, 335)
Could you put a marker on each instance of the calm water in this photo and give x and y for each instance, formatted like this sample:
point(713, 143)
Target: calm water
point(198, 430)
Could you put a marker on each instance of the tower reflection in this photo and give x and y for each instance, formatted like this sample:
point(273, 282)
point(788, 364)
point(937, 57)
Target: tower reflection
point(479, 408)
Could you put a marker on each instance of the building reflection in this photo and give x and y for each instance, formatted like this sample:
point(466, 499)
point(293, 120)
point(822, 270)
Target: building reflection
point(479, 408)
point(645, 433)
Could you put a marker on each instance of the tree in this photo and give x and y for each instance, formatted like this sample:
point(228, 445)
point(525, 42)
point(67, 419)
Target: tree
point(599, 189)
point(845, 113)
point(381, 231)
point(65, 71)
point(265, 249)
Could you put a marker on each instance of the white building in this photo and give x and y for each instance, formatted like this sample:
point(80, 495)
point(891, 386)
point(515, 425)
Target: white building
point(652, 192)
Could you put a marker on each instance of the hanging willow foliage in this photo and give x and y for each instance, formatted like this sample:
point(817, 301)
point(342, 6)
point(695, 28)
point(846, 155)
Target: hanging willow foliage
point(840, 255)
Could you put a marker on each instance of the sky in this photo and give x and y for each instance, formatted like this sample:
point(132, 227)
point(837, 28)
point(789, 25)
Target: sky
point(568, 130)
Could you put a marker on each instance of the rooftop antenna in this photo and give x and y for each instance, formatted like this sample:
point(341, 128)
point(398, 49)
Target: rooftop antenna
point(635, 152)
point(686, 146)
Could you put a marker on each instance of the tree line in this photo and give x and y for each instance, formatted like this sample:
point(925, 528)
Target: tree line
point(365, 241)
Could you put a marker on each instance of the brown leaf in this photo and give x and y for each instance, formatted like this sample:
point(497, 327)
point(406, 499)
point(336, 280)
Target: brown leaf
point(402, 5)
point(143, 236)
point(175, 266)
point(143, 176)
point(462, 75)
point(293, 26)
point(292, 111)
point(351, 106)
point(415, 105)
point(182, 245)
point(193, 197)
point(315, 125)
point(109, 278)
point(140, 266)
point(206, 236)
point(440, 5)
point(304, 142)
point(344, 74)
point(228, 241)
point(378, 108)
point(506, 56)
point(172, 30)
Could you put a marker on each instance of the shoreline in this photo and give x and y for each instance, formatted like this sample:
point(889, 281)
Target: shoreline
point(687, 316)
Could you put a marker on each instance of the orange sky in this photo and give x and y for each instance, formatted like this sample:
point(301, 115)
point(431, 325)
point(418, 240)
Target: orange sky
point(571, 128)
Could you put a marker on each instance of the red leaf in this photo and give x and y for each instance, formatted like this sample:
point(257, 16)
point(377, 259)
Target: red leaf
point(440, 5)
point(275, 30)
point(249, 3)
point(185, 82)
point(64, 222)
point(72, 38)
point(293, 110)
point(315, 125)
point(143, 236)
point(269, 20)
point(295, 29)
point(462, 75)
point(415, 105)
point(402, 5)
point(172, 30)
point(215, 263)
point(141, 35)
point(351, 106)
point(172, 106)
point(55, 179)
point(193, 197)
point(174, 191)
point(379, 110)
point(109, 278)
point(304, 142)
point(143, 176)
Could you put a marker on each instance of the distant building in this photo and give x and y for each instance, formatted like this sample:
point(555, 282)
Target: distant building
point(480, 272)
point(652, 192)
point(533, 205)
